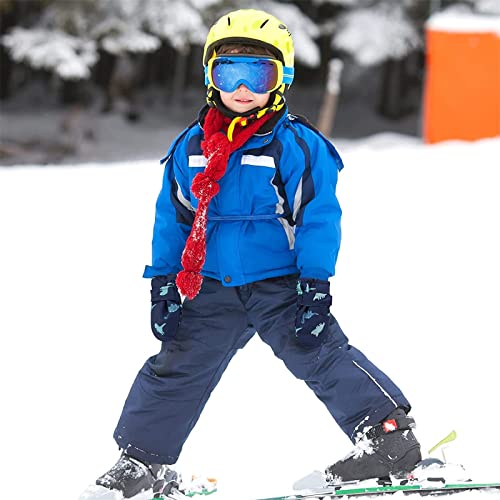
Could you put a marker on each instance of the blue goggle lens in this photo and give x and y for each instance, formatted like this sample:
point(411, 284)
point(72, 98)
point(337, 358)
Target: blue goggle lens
point(258, 74)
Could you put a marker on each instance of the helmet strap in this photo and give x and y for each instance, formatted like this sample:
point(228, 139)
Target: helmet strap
point(278, 98)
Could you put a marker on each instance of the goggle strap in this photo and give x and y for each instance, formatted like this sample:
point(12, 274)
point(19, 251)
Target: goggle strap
point(288, 74)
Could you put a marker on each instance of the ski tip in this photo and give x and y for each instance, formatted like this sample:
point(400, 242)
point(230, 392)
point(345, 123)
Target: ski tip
point(95, 492)
point(314, 480)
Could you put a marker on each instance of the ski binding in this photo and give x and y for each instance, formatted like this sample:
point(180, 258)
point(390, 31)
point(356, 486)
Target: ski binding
point(174, 488)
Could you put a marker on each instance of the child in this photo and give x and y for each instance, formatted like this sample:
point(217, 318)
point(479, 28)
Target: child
point(248, 229)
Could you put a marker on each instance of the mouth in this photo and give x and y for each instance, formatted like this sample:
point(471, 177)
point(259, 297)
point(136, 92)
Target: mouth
point(243, 100)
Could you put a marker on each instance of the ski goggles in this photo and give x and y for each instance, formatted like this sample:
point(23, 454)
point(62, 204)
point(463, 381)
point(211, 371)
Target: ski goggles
point(259, 74)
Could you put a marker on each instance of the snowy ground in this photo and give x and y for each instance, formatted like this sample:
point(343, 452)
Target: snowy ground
point(417, 290)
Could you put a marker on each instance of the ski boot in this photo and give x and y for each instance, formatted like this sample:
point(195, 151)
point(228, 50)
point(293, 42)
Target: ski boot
point(388, 448)
point(130, 476)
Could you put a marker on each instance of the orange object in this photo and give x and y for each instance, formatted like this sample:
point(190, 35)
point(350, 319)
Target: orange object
point(462, 88)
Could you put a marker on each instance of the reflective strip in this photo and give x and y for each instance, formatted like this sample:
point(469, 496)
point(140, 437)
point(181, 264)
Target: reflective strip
point(259, 161)
point(186, 203)
point(197, 161)
point(297, 201)
point(384, 392)
point(289, 230)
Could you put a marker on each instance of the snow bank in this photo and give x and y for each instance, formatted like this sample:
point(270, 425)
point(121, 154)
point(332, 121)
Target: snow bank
point(454, 20)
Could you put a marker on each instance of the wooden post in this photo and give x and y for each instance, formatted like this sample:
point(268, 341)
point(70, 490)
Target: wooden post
point(330, 97)
point(179, 77)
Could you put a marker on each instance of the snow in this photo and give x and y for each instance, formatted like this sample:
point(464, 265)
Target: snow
point(462, 20)
point(417, 289)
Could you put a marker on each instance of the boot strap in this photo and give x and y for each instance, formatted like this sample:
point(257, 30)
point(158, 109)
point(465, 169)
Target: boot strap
point(391, 425)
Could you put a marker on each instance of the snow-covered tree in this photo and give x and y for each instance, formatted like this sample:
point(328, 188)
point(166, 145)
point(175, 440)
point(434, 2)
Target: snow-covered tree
point(58, 42)
point(179, 22)
point(377, 33)
point(491, 7)
point(373, 31)
point(68, 34)
point(304, 30)
point(68, 56)
point(344, 3)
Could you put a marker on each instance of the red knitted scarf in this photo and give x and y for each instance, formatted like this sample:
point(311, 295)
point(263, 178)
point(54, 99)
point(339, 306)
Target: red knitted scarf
point(216, 148)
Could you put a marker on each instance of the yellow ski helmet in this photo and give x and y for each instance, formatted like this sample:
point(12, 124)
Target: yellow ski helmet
point(252, 27)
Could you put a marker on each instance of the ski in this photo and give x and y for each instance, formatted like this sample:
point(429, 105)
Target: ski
point(430, 477)
point(350, 490)
point(353, 491)
point(175, 494)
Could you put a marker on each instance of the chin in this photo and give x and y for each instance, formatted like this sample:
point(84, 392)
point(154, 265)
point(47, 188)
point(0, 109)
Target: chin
point(243, 109)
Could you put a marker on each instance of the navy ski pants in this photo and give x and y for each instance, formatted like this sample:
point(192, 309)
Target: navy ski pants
point(171, 389)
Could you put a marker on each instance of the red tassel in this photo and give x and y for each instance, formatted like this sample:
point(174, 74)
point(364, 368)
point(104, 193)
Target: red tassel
point(189, 283)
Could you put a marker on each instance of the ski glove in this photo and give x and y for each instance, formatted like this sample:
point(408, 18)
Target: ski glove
point(166, 307)
point(313, 311)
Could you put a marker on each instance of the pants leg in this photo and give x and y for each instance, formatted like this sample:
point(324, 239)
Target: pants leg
point(354, 390)
point(171, 389)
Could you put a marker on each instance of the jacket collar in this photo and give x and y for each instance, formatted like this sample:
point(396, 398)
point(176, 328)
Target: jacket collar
point(266, 129)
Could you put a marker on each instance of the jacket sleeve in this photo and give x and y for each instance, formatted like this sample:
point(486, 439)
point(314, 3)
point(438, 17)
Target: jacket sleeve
point(174, 215)
point(316, 210)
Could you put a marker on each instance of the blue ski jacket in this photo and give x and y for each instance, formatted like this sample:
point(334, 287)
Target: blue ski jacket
point(276, 212)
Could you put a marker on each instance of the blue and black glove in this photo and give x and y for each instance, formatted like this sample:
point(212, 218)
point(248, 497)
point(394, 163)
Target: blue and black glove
point(313, 311)
point(166, 307)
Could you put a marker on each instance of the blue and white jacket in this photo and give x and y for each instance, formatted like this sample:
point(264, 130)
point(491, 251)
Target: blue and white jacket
point(276, 212)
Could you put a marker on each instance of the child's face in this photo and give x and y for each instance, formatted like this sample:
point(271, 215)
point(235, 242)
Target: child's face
point(242, 100)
